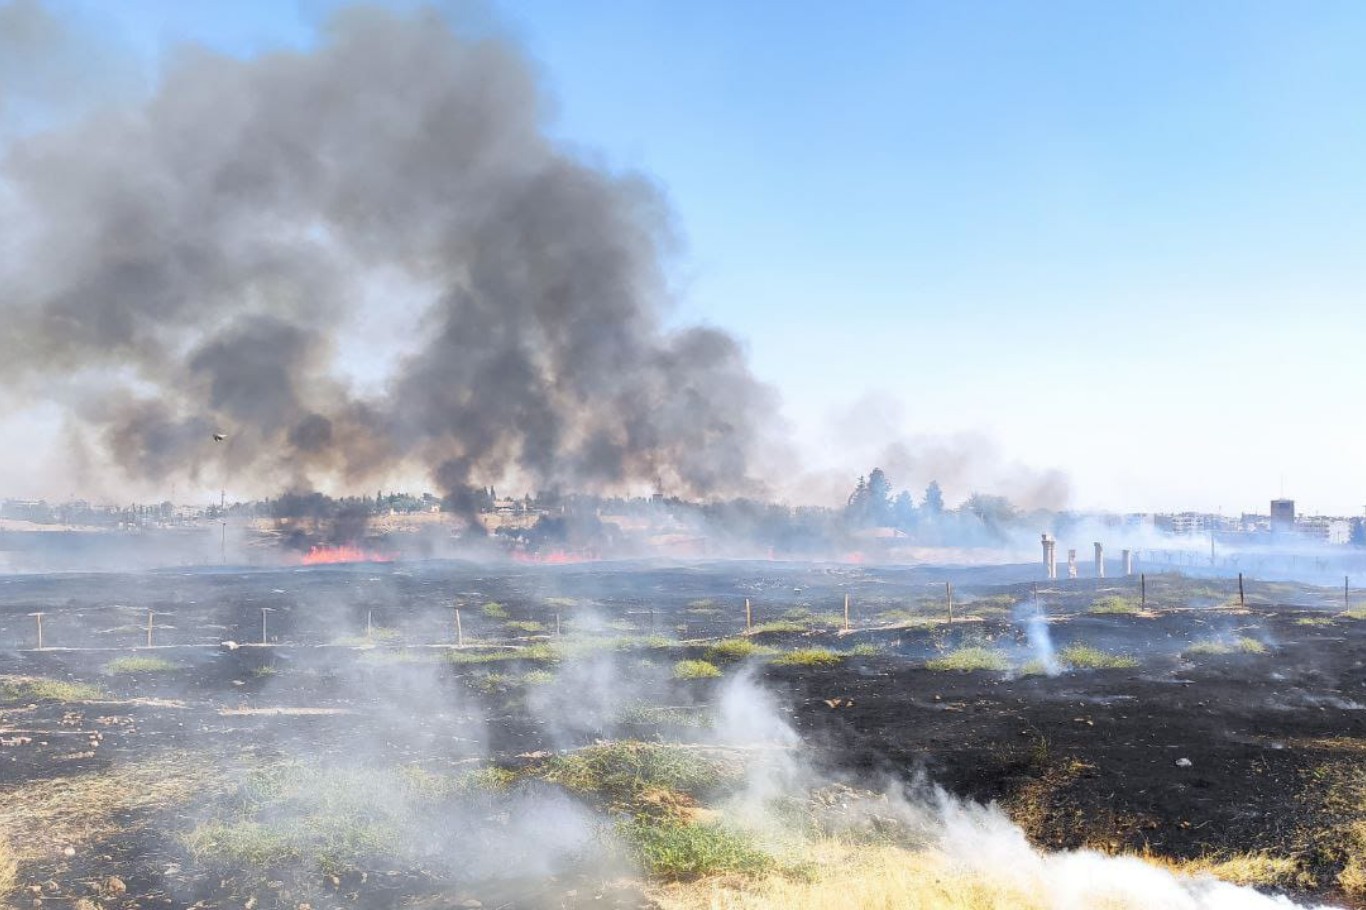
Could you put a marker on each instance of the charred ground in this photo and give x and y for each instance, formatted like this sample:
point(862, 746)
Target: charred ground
point(1183, 726)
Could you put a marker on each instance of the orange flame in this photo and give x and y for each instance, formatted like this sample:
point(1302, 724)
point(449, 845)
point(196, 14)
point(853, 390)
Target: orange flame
point(319, 556)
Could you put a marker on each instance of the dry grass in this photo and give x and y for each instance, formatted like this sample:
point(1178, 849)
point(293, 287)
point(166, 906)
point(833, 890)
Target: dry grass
point(9, 869)
point(867, 877)
point(1250, 869)
point(44, 816)
point(1352, 878)
point(1337, 791)
point(889, 877)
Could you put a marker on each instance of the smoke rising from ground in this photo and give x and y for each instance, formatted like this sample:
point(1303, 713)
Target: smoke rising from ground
point(191, 264)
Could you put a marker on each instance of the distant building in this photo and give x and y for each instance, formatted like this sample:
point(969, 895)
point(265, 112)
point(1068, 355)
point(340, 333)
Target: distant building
point(1282, 516)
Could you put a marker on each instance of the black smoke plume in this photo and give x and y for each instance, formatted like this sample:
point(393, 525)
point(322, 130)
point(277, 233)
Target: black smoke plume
point(189, 265)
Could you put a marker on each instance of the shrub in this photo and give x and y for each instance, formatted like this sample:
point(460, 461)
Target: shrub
point(809, 657)
point(494, 610)
point(140, 665)
point(1085, 657)
point(970, 658)
point(527, 626)
point(695, 669)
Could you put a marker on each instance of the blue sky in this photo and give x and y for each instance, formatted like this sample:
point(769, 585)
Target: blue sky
point(1118, 239)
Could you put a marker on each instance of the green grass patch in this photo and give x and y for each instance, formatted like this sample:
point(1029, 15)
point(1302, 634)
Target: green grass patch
point(427, 785)
point(494, 610)
point(1115, 605)
point(730, 650)
point(996, 604)
point(490, 683)
point(1314, 621)
point(1086, 657)
point(695, 669)
point(376, 635)
point(140, 665)
point(1355, 613)
point(665, 716)
point(866, 649)
point(537, 678)
point(780, 625)
point(527, 626)
point(970, 658)
point(37, 688)
point(542, 653)
point(619, 772)
point(333, 819)
point(675, 850)
point(809, 657)
point(1240, 645)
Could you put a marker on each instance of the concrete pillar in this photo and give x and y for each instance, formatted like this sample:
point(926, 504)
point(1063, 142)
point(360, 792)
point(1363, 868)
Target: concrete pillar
point(1100, 560)
point(1050, 556)
point(1128, 563)
point(1071, 563)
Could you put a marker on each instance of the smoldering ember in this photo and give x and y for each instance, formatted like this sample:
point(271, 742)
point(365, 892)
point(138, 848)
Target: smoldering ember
point(427, 559)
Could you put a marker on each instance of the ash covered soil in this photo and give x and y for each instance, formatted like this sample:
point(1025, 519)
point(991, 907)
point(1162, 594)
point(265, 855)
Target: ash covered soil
point(1173, 722)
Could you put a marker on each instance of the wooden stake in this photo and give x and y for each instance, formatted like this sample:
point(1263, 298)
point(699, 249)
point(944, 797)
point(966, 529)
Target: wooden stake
point(1143, 590)
point(39, 617)
point(948, 587)
point(557, 625)
point(369, 624)
point(1240, 589)
point(149, 628)
point(749, 624)
point(264, 611)
point(846, 612)
point(459, 631)
point(1346, 593)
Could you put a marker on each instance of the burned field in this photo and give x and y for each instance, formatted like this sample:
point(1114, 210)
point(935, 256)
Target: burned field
point(628, 736)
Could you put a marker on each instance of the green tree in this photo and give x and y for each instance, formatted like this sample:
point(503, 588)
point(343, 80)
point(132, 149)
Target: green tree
point(933, 503)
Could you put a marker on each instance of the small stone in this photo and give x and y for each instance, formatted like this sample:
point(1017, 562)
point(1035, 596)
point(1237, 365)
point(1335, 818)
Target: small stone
point(68, 851)
point(471, 903)
point(1183, 763)
point(115, 885)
